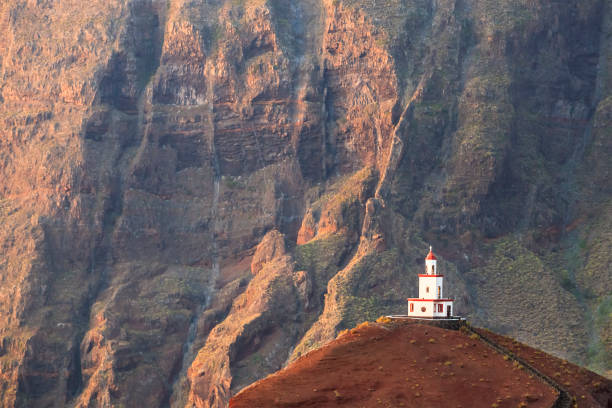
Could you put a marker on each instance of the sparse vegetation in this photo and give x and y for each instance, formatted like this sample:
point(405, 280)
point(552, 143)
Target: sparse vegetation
point(384, 320)
point(232, 182)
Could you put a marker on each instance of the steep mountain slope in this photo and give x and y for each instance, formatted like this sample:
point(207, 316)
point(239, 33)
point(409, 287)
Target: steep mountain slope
point(194, 192)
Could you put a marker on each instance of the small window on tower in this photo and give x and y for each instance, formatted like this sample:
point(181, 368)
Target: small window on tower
point(427, 289)
point(433, 269)
point(438, 291)
point(423, 309)
point(412, 307)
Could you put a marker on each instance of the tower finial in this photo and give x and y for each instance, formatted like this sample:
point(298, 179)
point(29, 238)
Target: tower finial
point(430, 255)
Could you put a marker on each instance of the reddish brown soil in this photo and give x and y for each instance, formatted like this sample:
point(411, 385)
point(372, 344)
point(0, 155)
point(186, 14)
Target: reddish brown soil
point(399, 366)
point(589, 389)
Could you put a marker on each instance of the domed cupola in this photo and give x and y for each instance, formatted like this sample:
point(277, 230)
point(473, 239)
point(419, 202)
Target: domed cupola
point(430, 263)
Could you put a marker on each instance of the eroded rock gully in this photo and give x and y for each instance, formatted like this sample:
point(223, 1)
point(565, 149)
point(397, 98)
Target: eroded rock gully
point(193, 193)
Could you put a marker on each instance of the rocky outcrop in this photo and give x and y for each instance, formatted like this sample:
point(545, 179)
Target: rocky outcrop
point(271, 246)
point(150, 147)
point(257, 332)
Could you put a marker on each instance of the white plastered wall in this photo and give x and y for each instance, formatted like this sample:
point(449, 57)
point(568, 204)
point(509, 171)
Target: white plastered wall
point(431, 282)
point(431, 308)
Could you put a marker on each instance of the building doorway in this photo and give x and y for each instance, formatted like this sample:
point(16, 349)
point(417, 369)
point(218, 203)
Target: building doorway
point(448, 311)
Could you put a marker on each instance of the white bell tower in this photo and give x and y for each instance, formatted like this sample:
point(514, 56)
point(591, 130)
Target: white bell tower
point(431, 302)
point(430, 263)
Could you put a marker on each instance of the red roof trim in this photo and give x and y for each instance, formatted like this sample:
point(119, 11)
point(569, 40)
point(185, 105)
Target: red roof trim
point(432, 300)
point(431, 256)
point(424, 275)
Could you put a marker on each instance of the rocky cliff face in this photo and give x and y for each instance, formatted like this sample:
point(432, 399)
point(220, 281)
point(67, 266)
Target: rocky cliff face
point(193, 193)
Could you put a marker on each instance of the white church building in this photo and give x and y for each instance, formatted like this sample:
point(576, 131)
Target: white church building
point(431, 302)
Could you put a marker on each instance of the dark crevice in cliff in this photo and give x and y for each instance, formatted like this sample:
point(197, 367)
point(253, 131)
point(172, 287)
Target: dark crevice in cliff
point(585, 68)
point(147, 56)
point(131, 68)
point(328, 145)
point(123, 87)
point(75, 378)
point(298, 27)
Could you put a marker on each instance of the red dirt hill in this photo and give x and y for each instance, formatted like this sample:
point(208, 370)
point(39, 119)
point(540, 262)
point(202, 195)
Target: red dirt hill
point(586, 388)
point(397, 365)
